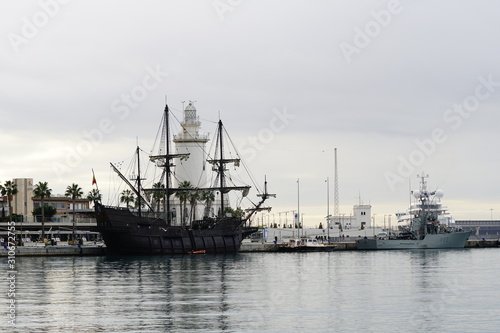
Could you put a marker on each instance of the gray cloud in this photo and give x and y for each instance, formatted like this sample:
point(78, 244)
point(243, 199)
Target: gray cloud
point(245, 62)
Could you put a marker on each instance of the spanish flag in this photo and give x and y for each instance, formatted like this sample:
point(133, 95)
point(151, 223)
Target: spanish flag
point(93, 178)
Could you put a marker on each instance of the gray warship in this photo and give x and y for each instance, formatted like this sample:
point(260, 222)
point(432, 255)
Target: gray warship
point(424, 228)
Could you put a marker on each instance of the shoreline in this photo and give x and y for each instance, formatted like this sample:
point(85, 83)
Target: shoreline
point(100, 250)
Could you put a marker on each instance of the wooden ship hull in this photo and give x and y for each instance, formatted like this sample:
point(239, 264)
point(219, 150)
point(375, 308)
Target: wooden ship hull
point(125, 233)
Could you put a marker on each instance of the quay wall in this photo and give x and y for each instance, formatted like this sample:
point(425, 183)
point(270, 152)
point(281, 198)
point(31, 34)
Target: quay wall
point(100, 250)
point(55, 251)
point(351, 245)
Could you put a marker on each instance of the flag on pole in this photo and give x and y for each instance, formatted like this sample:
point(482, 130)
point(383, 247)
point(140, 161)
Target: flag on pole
point(93, 178)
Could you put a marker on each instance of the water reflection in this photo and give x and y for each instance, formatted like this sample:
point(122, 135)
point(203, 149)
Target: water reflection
point(436, 295)
point(411, 291)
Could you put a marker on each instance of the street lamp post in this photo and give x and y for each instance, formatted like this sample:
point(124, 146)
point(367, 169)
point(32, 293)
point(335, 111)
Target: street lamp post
point(298, 207)
point(328, 207)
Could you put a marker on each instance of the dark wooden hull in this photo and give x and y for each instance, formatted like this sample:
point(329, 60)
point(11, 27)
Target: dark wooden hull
point(125, 233)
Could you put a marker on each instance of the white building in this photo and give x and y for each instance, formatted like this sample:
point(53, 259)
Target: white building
point(22, 203)
point(359, 219)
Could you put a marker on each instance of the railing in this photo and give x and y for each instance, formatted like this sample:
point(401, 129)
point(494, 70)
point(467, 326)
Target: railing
point(65, 220)
point(203, 137)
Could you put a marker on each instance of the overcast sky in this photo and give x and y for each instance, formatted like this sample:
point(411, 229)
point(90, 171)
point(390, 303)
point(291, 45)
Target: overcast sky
point(399, 87)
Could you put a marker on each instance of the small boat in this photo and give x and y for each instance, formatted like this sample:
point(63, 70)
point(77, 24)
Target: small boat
point(305, 244)
point(426, 226)
point(197, 252)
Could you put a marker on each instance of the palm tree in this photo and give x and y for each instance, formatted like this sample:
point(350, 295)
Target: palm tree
point(74, 191)
point(94, 195)
point(238, 212)
point(194, 196)
point(127, 197)
point(208, 197)
point(42, 191)
point(183, 197)
point(158, 196)
point(136, 202)
point(9, 189)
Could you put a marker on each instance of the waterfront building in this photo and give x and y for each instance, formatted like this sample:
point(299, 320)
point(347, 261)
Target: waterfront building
point(360, 219)
point(481, 228)
point(22, 203)
point(59, 226)
point(64, 208)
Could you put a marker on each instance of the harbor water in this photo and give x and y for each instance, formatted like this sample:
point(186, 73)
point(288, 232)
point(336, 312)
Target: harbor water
point(384, 291)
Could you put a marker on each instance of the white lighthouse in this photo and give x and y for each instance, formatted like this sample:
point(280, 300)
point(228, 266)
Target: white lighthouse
point(193, 169)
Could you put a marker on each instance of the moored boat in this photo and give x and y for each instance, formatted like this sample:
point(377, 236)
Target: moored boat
point(305, 244)
point(423, 227)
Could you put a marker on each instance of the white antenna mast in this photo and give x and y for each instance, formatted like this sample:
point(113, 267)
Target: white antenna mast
point(336, 189)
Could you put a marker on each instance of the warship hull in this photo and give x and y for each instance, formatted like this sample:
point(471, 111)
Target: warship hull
point(453, 240)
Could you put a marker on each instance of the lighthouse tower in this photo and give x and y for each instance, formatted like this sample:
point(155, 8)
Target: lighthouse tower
point(190, 141)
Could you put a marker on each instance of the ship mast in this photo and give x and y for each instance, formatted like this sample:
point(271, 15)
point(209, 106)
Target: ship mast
point(423, 196)
point(139, 197)
point(221, 169)
point(137, 191)
point(132, 187)
point(166, 166)
point(166, 169)
point(258, 207)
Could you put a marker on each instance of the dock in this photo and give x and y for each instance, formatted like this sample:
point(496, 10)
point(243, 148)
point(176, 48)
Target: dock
point(100, 250)
point(351, 245)
point(55, 250)
point(482, 243)
point(271, 247)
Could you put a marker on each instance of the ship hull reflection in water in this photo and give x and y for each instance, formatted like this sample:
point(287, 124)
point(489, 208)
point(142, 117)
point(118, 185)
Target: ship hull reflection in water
point(264, 292)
